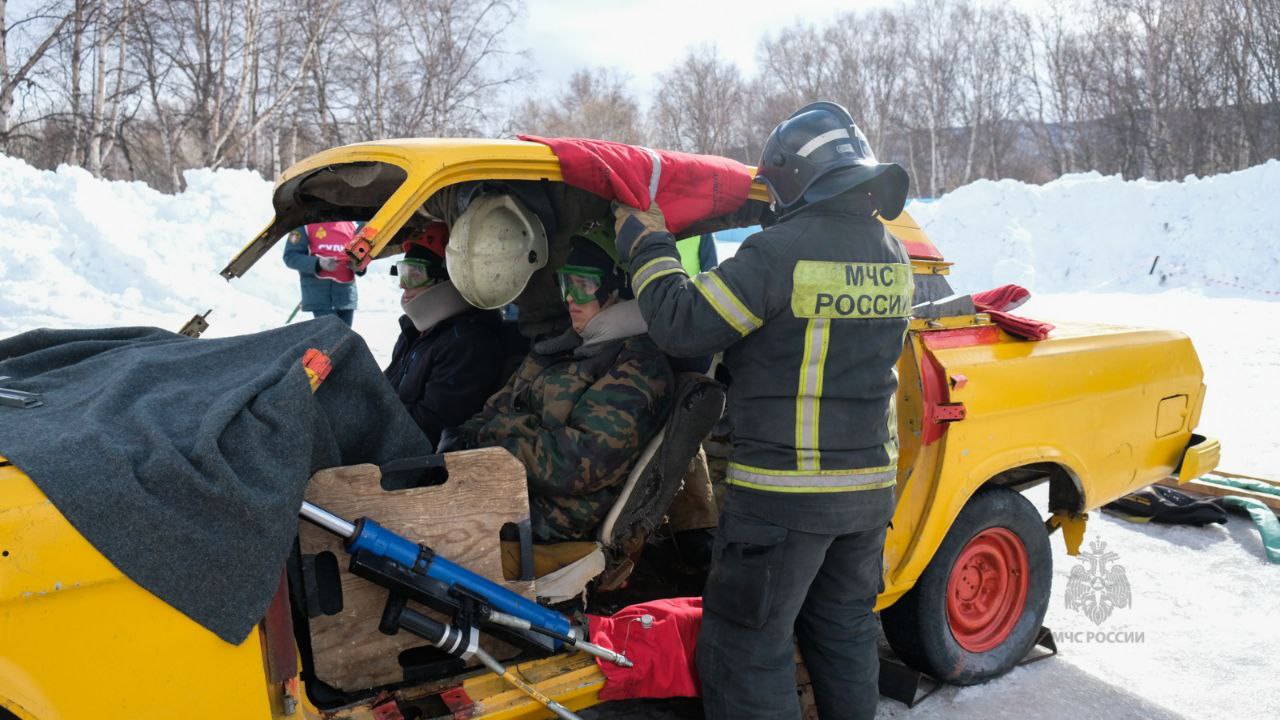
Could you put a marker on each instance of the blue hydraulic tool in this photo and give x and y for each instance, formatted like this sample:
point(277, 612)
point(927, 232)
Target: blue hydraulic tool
point(413, 571)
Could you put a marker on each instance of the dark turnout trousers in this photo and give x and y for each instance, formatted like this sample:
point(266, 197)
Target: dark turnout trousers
point(771, 585)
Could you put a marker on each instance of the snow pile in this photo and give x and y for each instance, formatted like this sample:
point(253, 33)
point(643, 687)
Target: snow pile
point(76, 251)
point(1089, 233)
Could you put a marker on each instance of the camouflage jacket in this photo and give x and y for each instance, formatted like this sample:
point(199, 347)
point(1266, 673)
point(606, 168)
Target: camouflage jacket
point(578, 421)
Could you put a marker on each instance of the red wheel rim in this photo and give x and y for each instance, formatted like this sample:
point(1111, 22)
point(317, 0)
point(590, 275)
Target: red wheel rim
point(987, 589)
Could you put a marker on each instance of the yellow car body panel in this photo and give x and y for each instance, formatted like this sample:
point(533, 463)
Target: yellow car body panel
point(431, 164)
point(80, 640)
point(1109, 409)
point(1085, 399)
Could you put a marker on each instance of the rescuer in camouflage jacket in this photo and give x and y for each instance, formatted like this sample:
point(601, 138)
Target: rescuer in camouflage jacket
point(582, 405)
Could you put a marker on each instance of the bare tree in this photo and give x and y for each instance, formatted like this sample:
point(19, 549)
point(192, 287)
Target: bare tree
point(594, 104)
point(953, 89)
point(700, 106)
point(41, 28)
point(930, 62)
point(458, 61)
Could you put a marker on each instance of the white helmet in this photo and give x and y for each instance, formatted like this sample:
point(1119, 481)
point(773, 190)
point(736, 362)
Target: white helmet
point(495, 245)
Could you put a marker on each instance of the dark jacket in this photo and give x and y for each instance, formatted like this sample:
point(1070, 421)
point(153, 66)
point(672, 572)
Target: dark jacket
point(811, 315)
point(578, 420)
point(444, 375)
point(318, 294)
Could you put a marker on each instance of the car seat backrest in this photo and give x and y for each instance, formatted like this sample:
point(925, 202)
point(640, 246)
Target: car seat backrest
point(656, 476)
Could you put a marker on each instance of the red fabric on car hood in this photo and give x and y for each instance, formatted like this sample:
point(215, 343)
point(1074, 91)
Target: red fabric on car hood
point(689, 187)
point(663, 653)
point(996, 301)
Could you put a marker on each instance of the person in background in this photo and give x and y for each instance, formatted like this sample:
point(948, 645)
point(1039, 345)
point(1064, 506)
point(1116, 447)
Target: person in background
point(698, 253)
point(448, 358)
point(582, 405)
point(317, 253)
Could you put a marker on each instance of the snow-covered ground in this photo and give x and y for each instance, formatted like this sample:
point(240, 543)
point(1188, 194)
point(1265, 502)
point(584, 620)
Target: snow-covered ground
point(78, 252)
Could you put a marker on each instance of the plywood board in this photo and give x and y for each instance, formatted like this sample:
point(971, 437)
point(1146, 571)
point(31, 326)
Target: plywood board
point(459, 519)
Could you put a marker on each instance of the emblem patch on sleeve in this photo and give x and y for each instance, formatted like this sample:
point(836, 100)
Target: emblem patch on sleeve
point(837, 290)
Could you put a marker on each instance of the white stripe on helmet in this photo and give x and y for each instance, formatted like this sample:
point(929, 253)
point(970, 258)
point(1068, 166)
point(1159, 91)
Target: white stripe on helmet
point(823, 139)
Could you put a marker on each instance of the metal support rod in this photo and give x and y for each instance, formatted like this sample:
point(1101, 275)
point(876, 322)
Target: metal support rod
point(572, 640)
point(561, 711)
point(603, 653)
point(327, 520)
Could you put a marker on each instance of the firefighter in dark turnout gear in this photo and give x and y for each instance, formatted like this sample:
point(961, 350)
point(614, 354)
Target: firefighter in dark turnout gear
point(811, 315)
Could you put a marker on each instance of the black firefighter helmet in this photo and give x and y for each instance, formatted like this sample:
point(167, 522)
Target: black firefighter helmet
point(818, 153)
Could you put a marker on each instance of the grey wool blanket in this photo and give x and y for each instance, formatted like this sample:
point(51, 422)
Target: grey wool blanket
point(184, 461)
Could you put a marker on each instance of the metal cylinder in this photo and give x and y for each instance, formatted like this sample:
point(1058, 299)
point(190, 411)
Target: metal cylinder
point(327, 520)
point(604, 653)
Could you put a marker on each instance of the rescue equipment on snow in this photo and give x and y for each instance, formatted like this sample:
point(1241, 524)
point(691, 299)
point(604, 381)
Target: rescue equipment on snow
point(1166, 506)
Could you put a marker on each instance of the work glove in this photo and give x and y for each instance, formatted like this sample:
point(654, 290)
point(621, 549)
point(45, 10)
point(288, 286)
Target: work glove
point(633, 227)
point(327, 263)
point(456, 438)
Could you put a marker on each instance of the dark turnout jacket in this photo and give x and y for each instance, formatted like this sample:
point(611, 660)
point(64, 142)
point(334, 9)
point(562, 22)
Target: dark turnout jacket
point(444, 375)
point(811, 315)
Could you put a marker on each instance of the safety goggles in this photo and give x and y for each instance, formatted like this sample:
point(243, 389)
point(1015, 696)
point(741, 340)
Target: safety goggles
point(579, 284)
point(414, 274)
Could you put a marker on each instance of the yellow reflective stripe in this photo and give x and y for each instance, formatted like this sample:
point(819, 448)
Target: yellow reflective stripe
point(851, 290)
point(773, 472)
point(726, 304)
point(811, 481)
point(809, 394)
point(649, 280)
point(653, 270)
point(815, 489)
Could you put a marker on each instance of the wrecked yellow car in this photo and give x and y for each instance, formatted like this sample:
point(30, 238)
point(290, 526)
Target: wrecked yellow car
point(1095, 411)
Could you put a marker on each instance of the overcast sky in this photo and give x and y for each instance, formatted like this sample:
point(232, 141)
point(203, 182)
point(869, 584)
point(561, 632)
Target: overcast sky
point(644, 37)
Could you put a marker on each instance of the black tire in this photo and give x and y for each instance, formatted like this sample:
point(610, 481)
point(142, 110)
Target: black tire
point(918, 626)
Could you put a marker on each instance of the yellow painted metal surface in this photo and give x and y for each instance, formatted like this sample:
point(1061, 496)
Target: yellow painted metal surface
point(1086, 399)
point(1073, 526)
point(573, 681)
point(1172, 415)
point(1200, 459)
point(79, 640)
point(431, 164)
